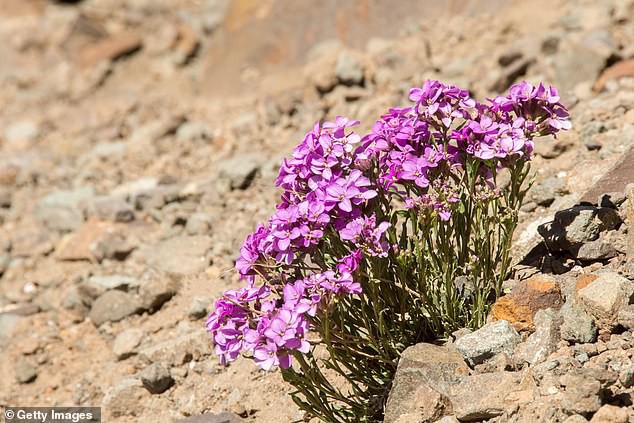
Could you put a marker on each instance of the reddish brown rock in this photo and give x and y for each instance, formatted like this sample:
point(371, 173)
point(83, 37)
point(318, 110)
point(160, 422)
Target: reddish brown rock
point(585, 280)
point(519, 307)
point(618, 70)
point(81, 245)
point(110, 48)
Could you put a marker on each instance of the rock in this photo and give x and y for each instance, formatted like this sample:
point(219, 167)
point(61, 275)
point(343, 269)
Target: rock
point(211, 418)
point(543, 342)
point(30, 242)
point(578, 326)
point(198, 308)
point(199, 224)
point(577, 64)
point(156, 378)
point(626, 377)
point(186, 45)
point(156, 290)
point(578, 225)
point(5, 197)
point(113, 209)
point(518, 308)
point(125, 398)
point(180, 350)
point(618, 70)
point(576, 418)
point(603, 297)
point(112, 245)
point(625, 316)
point(156, 198)
point(425, 372)
point(611, 414)
point(183, 255)
point(5, 260)
point(8, 321)
point(507, 76)
point(21, 133)
point(485, 396)
point(545, 192)
point(97, 285)
point(238, 172)
point(61, 210)
point(581, 395)
point(491, 339)
point(348, 70)
point(416, 403)
point(25, 371)
point(94, 241)
point(596, 250)
point(113, 306)
point(615, 180)
point(133, 188)
point(613, 200)
point(125, 343)
point(191, 132)
point(109, 49)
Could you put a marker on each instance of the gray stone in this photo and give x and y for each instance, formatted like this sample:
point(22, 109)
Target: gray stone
point(604, 296)
point(596, 250)
point(491, 339)
point(125, 398)
point(545, 192)
point(125, 343)
point(198, 308)
point(424, 376)
point(156, 290)
point(97, 285)
point(576, 64)
point(62, 210)
point(543, 341)
point(181, 255)
point(157, 197)
point(199, 224)
point(625, 316)
point(211, 418)
point(25, 371)
point(578, 326)
point(193, 131)
point(485, 396)
point(156, 378)
point(577, 225)
point(238, 172)
point(114, 209)
point(348, 70)
point(626, 377)
point(112, 245)
point(581, 395)
point(179, 350)
point(131, 189)
point(113, 306)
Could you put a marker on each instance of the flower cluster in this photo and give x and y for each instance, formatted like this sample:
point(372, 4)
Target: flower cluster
point(322, 190)
point(342, 194)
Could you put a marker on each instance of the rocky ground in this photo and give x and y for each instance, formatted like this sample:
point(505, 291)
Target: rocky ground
point(139, 142)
